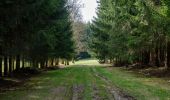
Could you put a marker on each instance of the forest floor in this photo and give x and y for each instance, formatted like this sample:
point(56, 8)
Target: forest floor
point(88, 80)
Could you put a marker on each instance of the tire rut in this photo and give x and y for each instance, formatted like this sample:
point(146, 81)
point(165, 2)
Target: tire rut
point(116, 93)
point(77, 91)
point(95, 93)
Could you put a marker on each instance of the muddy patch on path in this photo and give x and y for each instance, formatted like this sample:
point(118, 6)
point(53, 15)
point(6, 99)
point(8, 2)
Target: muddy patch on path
point(116, 92)
point(77, 91)
point(96, 94)
point(59, 93)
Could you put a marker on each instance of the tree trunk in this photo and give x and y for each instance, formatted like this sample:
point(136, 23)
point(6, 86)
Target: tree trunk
point(46, 63)
point(0, 66)
point(62, 61)
point(146, 58)
point(23, 63)
point(157, 61)
point(166, 53)
point(52, 62)
point(10, 65)
point(152, 58)
point(73, 61)
point(5, 66)
point(116, 61)
point(35, 64)
point(57, 62)
point(18, 62)
point(13, 64)
point(67, 62)
point(42, 64)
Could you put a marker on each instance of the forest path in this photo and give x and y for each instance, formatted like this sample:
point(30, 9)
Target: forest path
point(90, 81)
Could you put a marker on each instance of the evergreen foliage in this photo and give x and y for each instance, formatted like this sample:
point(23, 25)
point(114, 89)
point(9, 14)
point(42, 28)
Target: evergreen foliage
point(35, 31)
point(132, 31)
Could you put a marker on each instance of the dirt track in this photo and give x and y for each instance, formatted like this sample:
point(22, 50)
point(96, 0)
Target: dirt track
point(73, 83)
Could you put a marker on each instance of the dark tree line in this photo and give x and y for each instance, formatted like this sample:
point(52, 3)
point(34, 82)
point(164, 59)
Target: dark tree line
point(34, 32)
point(132, 31)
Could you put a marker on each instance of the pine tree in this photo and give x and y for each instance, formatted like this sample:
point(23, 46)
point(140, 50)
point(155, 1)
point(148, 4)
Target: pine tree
point(33, 32)
point(135, 30)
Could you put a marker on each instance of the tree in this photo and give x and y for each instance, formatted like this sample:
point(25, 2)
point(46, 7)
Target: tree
point(32, 33)
point(134, 31)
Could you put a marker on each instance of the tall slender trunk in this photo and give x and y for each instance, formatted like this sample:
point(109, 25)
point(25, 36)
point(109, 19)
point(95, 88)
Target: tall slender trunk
point(52, 62)
point(5, 66)
point(46, 63)
point(166, 53)
point(152, 58)
point(0, 66)
point(73, 61)
point(67, 62)
point(18, 62)
point(146, 58)
point(157, 61)
point(10, 65)
point(13, 64)
point(35, 64)
point(57, 62)
point(159, 56)
point(42, 64)
point(116, 61)
point(62, 61)
point(23, 63)
point(110, 60)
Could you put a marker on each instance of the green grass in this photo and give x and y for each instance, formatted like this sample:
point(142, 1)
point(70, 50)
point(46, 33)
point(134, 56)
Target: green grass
point(40, 87)
point(87, 62)
point(83, 73)
point(143, 88)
